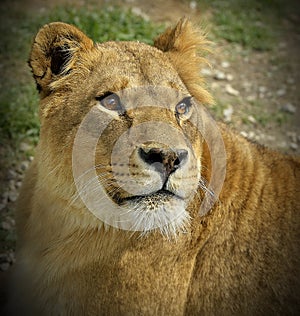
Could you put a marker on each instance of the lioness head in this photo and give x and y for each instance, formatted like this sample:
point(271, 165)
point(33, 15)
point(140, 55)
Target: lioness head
point(120, 124)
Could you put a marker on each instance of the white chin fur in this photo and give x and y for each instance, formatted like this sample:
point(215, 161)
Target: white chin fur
point(168, 215)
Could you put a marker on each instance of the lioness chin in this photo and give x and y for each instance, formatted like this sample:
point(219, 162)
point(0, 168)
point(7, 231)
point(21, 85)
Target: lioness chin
point(111, 219)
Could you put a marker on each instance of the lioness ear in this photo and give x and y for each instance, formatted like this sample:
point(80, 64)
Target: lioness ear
point(53, 53)
point(184, 45)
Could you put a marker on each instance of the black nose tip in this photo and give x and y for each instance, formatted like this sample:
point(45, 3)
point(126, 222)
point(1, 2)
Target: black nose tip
point(164, 160)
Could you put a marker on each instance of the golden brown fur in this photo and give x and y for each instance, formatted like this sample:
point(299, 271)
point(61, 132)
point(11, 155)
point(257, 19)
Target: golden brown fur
point(241, 258)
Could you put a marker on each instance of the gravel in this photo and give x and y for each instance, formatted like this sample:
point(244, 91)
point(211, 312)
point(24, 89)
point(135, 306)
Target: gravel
point(231, 91)
point(289, 108)
point(227, 113)
point(14, 177)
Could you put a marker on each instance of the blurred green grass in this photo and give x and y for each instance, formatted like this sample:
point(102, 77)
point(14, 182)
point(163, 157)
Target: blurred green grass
point(255, 24)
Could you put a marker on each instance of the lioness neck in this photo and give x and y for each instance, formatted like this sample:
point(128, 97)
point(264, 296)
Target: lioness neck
point(253, 173)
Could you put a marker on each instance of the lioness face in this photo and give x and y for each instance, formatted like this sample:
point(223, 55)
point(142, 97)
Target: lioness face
point(128, 129)
point(147, 157)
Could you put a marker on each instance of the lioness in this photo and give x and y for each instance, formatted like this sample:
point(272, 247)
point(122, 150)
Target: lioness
point(174, 216)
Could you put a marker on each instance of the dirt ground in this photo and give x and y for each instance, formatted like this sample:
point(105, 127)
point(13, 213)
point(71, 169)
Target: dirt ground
point(258, 91)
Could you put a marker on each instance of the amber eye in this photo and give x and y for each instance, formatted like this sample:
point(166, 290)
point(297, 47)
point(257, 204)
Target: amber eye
point(110, 101)
point(183, 107)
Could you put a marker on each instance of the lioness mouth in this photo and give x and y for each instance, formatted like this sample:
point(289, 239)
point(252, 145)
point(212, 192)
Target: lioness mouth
point(156, 197)
point(162, 209)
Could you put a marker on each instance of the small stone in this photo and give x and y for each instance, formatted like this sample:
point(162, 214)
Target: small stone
point(219, 75)
point(251, 135)
point(229, 77)
point(11, 220)
point(262, 89)
point(215, 85)
point(138, 11)
point(12, 196)
point(238, 48)
point(206, 72)
point(244, 134)
point(5, 197)
point(274, 68)
point(11, 174)
point(281, 92)
point(282, 144)
point(251, 98)
point(282, 45)
point(289, 108)
point(18, 184)
point(225, 64)
point(251, 119)
point(294, 146)
point(230, 90)
point(292, 136)
point(290, 80)
point(24, 165)
point(193, 5)
point(4, 266)
point(12, 184)
point(271, 138)
point(257, 137)
point(12, 257)
point(262, 136)
point(6, 226)
point(25, 147)
point(247, 85)
point(228, 114)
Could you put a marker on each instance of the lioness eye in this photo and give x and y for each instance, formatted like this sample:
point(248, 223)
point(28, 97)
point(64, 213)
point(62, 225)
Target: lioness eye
point(110, 101)
point(183, 106)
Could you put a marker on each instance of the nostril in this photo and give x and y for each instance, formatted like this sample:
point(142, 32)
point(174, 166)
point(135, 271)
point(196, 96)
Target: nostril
point(181, 156)
point(151, 156)
point(164, 160)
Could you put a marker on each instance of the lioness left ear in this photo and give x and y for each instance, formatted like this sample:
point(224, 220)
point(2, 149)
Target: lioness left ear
point(184, 46)
point(54, 53)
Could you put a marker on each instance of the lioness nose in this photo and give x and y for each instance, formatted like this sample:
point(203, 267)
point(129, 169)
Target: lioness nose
point(164, 160)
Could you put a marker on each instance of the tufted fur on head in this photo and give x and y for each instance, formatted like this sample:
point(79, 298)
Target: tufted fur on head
point(185, 46)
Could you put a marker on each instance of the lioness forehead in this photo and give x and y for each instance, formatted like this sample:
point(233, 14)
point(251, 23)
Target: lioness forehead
point(140, 63)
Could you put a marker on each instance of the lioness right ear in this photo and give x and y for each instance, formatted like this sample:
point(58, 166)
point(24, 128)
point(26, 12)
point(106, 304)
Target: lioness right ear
point(55, 51)
point(184, 45)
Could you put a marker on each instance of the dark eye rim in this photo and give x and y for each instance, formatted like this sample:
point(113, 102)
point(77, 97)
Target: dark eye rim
point(188, 102)
point(102, 97)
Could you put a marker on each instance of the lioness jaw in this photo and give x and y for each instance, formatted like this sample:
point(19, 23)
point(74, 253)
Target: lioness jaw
point(110, 217)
